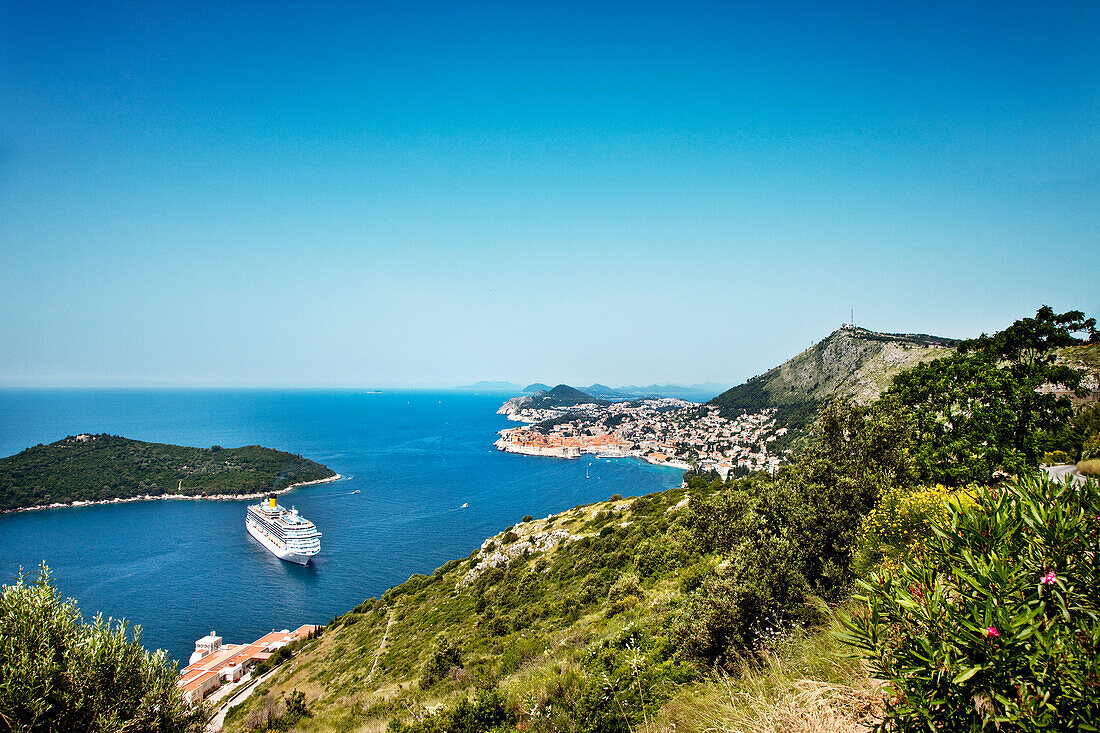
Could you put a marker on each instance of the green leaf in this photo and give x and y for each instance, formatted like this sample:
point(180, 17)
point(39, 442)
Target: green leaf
point(964, 676)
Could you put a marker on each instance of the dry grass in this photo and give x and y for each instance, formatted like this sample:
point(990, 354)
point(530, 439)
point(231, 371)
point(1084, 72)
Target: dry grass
point(808, 685)
point(760, 705)
point(1090, 467)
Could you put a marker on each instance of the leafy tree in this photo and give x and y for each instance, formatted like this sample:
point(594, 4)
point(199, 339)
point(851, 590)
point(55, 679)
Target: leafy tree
point(1027, 344)
point(963, 414)
point(991, 406)
point(1027, 349)
point(59, 673)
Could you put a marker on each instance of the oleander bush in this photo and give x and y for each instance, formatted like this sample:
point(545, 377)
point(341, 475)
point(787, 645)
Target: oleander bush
point(996, 625)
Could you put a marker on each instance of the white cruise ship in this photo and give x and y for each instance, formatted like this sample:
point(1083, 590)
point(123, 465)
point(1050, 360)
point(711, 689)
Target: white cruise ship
point(285, 532)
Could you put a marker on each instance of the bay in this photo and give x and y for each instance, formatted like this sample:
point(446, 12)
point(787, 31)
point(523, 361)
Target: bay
point(183, 568)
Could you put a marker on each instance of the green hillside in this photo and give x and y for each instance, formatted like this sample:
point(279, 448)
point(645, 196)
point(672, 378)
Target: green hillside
point(96, 467)
point(592, 624)
point(562, 396)
point(852, 363)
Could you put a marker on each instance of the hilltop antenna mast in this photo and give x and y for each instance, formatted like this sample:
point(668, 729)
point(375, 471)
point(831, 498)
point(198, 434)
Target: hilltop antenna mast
point(853, 316)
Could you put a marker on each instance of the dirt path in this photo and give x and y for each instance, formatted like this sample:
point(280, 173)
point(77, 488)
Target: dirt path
point(381, 647)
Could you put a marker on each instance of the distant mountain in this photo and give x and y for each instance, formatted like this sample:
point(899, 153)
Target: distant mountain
point(491, 387)
point(851, 362)
point(536, 387)
point(693, 393)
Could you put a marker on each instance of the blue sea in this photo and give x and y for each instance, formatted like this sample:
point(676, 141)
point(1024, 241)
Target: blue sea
point(183, 568)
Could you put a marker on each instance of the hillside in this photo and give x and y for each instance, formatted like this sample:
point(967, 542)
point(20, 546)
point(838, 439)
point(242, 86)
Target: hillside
point(851, 362)
point(573, 621)
point(1086, 358)
point(713, 606)
point(563, 396)
point(99, 467)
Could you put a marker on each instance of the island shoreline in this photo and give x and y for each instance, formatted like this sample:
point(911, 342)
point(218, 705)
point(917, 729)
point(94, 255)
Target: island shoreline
point(185, 497)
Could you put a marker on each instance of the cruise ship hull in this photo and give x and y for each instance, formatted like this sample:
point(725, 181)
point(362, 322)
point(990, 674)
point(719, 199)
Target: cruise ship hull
point(280, 552)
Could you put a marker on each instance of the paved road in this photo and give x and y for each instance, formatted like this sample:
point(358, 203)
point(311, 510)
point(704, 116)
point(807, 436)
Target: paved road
point(1065, 472)
point(233, 697)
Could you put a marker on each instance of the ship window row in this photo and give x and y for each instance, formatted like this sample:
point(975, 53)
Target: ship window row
point(280, 531)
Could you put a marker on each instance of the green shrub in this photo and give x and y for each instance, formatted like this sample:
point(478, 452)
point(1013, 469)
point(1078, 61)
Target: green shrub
point(650, 558)
point(518, 650)
point(1090, 447)
point(528, 518)
point(900, 525)
point(59, 673)
point(1055, 457)
point(269, 716)
point(717, 522)
point(757, 593)
point(693, 576)
point(625, 586)
point(996, 624)
point(444, 657)
point(488, 711)
point(509, 537)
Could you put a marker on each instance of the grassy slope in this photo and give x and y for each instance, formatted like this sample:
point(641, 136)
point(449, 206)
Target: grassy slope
point(106, 467)
point(527, 626)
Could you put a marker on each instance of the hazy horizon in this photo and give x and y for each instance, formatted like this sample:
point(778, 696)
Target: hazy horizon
point(356, 195)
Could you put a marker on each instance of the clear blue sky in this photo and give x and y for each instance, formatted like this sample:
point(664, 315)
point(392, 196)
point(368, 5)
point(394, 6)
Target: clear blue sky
point(324, 194)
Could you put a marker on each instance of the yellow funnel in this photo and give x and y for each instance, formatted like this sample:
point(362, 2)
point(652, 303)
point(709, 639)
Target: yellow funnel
point(272, 500)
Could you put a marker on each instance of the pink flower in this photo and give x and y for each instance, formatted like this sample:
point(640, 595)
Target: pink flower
point(1049, 578)
point(992, 633)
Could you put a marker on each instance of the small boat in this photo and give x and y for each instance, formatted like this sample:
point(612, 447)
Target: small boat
point(466, 505)
point(356, 491)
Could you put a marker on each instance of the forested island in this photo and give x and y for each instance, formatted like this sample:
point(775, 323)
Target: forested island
point(87, 468)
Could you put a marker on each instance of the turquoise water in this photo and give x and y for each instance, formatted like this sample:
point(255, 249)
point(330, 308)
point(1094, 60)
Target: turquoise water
point(182, 568)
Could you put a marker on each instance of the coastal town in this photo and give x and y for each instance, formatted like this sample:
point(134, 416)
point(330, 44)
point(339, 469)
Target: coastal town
point(665, 431)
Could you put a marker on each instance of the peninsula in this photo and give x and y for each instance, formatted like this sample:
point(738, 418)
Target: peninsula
point(748, 428)
point(88, 468)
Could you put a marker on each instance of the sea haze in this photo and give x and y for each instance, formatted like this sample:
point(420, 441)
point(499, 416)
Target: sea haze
point(182, 568)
